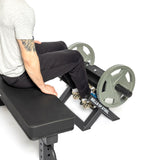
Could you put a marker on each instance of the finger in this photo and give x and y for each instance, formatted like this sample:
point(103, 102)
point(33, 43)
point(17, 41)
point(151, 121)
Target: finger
point(38, 42)
point(55, 93)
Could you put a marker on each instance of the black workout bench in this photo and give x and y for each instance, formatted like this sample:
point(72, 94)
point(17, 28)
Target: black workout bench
point(44, 116)
point(41, 116)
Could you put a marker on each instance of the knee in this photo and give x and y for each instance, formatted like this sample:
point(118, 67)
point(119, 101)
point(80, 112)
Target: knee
point(77, 55)
point(63, 45)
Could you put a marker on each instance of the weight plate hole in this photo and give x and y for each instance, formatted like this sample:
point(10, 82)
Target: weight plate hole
point(75, 48)
point(115, 72)
point(104, 86)
point(128, 77)
point(123, 98)
point(86, 50)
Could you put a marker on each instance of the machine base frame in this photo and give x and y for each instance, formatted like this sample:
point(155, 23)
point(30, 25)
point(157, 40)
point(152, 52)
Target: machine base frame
point(96, 112)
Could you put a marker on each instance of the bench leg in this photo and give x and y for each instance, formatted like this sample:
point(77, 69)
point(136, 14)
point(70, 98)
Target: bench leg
point(46, 148)
point(1, 103)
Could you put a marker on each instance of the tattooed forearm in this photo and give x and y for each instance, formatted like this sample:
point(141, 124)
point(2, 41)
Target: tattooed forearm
point(29, 45)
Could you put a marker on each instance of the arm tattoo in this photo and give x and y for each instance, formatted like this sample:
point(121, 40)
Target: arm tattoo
point(29, 45)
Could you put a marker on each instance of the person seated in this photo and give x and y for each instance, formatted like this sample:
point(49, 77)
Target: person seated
point(25, 63)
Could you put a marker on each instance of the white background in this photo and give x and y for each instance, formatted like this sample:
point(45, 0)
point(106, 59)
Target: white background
point(121, 32)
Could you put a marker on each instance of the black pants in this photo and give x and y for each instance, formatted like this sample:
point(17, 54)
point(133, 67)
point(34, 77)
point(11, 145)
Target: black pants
point(56, 61)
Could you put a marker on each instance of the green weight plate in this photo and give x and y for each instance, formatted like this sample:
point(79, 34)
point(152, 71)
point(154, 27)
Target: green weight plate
point(86, 51)
point(118, 74)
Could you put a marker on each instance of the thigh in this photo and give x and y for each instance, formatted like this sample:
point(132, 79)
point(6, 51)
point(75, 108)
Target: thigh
point(56, 64)
point(22, 81)
point(52, 65)
point(45, 47)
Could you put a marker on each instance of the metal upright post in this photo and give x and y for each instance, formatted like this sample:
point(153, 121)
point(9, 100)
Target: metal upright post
point(46, 148)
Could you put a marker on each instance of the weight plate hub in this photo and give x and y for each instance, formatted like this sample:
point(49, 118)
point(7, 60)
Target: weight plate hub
point(106, 92)
point(86, 51)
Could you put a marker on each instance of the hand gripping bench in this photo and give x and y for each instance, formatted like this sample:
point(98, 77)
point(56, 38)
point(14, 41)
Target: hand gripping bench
point(41, 116)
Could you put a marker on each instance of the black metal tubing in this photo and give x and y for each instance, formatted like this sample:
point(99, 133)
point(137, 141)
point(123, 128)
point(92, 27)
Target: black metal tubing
point(46, 148)
point(83, 125)
point(94, 73)
point(87, 124)
point(66, 94)
point(92, 118)
point(101, 109)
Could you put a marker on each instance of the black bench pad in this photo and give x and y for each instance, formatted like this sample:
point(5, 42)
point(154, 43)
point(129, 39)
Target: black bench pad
point(38, 114)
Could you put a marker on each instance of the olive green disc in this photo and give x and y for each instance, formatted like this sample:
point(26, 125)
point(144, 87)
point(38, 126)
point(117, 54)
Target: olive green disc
point(106, 92)
point(86, 51)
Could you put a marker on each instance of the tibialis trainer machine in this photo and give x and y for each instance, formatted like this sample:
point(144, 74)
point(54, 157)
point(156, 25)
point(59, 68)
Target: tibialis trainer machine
point(42, 116)
point(113, 87)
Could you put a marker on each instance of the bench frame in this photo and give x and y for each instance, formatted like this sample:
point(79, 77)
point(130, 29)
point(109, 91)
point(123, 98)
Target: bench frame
point(96, 112)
